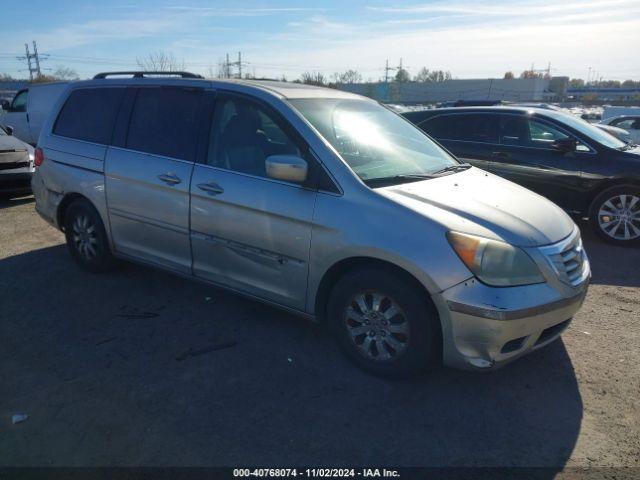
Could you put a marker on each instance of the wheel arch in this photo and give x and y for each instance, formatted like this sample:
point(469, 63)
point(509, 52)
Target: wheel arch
point(609, 185)
point(67, 200)
point(341, 267)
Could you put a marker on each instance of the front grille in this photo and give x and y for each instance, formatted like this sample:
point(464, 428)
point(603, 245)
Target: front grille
point(567, 259)
point(12, 165)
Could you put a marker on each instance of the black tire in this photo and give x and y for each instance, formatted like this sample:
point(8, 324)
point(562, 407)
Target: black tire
point(86, 237)
point(602, 205)
point(422, 343)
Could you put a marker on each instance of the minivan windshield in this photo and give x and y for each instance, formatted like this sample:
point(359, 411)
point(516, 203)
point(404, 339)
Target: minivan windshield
point(588, 130)
point(380, 146)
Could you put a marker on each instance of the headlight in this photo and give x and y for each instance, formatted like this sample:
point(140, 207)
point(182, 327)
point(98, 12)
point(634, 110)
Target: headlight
point(495, 263)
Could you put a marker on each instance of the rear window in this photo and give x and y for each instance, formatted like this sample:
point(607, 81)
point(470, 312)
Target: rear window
point(89, 114)
point(164, 122)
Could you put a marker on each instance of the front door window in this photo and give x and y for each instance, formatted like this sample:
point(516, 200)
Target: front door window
point(19, 103)
point(244, 134)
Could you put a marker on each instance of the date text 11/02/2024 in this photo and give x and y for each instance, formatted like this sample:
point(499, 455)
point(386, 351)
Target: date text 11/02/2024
point(316, 472)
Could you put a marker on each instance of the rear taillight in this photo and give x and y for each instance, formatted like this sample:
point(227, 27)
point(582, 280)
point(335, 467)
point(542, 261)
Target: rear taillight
point(38, 157)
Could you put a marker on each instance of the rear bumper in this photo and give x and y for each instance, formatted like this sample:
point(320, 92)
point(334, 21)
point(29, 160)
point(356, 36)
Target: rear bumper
point(483, 335)
point(46, 201)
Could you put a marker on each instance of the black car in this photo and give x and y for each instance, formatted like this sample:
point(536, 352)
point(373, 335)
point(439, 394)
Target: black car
point(578, 166)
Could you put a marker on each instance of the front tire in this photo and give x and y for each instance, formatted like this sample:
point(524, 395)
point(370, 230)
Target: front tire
point(615, 215)
point(86, 237)
point(384, 323)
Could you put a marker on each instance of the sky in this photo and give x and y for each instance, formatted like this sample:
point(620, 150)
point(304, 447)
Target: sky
point(470, 38)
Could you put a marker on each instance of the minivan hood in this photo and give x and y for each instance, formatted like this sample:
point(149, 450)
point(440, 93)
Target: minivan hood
point(480, 203)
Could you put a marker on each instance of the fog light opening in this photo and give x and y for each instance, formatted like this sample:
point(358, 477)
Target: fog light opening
point(513, 345)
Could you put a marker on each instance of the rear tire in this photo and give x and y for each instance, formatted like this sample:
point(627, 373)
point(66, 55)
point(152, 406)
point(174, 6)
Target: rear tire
point(86, 237)
point(383, 323)
point(615, 215)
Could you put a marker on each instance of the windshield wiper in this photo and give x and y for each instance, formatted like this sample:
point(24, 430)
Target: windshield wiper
point(402, 178)
point(414, 177)
point(453, 168)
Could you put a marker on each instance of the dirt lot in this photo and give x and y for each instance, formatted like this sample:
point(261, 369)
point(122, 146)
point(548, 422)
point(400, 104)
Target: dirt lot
point(139, 367)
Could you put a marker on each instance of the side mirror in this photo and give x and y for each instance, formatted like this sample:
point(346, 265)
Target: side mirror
point(8, 129)
point(565, 145)
point(289, 168)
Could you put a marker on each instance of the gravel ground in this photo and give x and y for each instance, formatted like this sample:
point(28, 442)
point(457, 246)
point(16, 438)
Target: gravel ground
point(139, 367)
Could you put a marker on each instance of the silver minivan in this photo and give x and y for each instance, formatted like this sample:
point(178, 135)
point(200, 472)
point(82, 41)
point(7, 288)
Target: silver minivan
point(322, 202)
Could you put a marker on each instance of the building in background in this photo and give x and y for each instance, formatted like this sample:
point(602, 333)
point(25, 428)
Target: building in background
point(630, 95)
point(513, 90)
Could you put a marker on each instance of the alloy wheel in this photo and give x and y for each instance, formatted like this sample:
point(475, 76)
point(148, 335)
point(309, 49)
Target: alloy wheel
point(619, 217)
point(84, 236)
point(377, 326)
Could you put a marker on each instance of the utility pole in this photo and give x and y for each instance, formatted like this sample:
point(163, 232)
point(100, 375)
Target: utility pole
point(26, 47)
point(387, 69)
point(35, 53)
point(238, 64)
point(35, 66)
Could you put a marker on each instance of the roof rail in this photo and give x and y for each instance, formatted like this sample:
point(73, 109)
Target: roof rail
point(142, 74)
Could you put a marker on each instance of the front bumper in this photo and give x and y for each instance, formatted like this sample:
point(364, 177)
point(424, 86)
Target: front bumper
point(15, 183)
point(486, 327)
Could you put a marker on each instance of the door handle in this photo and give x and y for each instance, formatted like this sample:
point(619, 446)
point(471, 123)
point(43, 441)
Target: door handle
point(211, 188)
point(169, 178)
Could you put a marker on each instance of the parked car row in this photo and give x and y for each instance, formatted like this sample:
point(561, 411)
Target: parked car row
point(321, 202)
point(630, 124)
point(567, 160)
point(20, 124)
point(29, 108)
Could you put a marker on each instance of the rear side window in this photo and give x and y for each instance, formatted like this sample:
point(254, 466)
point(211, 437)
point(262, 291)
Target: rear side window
point(89, 114)
point(164, 122)
point(471, 128)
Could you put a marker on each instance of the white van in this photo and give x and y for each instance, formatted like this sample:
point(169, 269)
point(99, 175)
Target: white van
point(29, 109)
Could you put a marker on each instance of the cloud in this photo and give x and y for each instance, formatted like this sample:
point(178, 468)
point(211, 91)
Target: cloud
point(518, 8)
point(571, 38)
point(469, 38)
point(96, 31)
point(242, 12)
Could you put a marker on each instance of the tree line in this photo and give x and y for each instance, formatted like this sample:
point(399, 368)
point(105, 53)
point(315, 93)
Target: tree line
point(162, 62)
point(577, 82)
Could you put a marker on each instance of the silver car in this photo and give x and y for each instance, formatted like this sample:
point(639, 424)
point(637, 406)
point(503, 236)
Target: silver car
point(324, 203)
point(16, 164)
